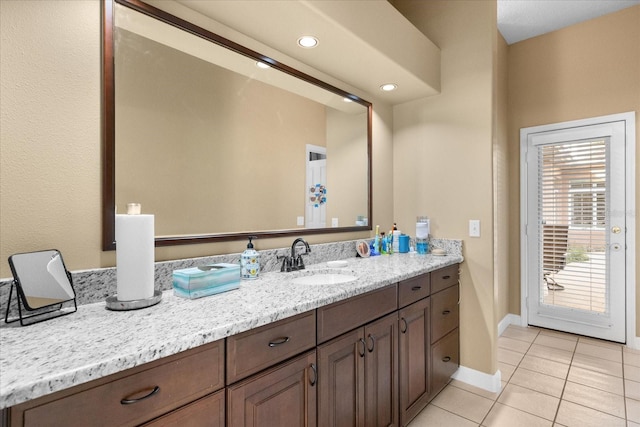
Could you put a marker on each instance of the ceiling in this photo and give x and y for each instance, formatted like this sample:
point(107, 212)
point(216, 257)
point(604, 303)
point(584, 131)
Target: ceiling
point(363, 52)
point(523, 19)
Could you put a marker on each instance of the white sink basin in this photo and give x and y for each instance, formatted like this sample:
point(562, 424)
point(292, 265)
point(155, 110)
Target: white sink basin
point(324, 279)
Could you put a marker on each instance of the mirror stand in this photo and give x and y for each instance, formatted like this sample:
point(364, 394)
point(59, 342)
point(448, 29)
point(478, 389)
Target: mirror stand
point(43, 288)
point(39, 314)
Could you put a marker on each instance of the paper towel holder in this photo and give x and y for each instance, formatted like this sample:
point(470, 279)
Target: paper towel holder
point(114, 304)
point(43, 287)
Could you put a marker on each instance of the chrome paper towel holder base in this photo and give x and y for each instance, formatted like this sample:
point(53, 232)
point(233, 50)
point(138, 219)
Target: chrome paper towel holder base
point(115, 305)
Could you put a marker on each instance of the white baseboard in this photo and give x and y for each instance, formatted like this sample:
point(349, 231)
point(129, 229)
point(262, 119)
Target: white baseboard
point(509, 319)
point(479, 379)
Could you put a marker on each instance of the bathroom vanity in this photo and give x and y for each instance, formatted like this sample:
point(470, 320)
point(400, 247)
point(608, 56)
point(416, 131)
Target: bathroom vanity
point(372, 351)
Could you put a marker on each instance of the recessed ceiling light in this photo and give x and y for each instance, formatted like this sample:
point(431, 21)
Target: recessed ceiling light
point(262, 65)
point(308, 41)
point(389, 87)
point(347, 100)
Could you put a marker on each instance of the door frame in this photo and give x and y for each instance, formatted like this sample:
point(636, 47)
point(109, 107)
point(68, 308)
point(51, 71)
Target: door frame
point(630, 189)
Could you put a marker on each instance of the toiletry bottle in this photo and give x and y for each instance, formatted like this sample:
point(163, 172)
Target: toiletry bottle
point(383, 244)
point(375, 246)
point(250, 262)
point(395, 239)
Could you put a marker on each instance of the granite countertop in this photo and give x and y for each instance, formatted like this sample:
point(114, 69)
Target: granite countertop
point(94, 342)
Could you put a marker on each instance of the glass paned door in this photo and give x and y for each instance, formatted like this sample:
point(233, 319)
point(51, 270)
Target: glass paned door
point(575, 262)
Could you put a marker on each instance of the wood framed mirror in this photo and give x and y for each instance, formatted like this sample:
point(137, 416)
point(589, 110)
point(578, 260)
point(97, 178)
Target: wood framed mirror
point(218, 148)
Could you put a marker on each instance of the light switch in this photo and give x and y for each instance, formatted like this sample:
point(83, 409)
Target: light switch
point(300, 220)
point(474, 228)
point(334, 222)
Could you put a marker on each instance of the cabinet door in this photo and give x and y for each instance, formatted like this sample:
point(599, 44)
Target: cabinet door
point(340, 382)
point(381, 372)
point(445, 361)
point(414, 359)
point(282, 396)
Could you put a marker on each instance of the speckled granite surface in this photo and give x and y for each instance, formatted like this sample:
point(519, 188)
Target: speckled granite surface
point(95, 342)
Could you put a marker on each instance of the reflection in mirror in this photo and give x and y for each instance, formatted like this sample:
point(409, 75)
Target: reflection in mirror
point(41, 281)
point(217, 148)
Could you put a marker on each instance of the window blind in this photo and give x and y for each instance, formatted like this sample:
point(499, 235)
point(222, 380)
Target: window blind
point(572, 208)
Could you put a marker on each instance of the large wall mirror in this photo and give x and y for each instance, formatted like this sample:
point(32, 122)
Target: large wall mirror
point(219, 147)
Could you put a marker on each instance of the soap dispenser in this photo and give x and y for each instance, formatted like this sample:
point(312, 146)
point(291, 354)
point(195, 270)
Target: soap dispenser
point(250, 262)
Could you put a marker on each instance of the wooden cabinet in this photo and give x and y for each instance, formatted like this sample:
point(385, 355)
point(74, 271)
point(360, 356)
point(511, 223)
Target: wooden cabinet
point(133, 396)
point(281, 396)
point(260, 348)
point(381, 356)
point(358, 376)
point(415, 322)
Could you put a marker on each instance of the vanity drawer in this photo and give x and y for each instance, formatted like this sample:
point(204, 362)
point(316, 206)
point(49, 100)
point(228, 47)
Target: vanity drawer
point(443, 278)
point(444, 312)
point(208, 411)
point(445, 359)
point(180, 380)
point(257, 349)
point(414, 289)
point(343, 316)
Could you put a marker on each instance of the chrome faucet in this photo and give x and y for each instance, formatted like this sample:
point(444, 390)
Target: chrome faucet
point(293, 262)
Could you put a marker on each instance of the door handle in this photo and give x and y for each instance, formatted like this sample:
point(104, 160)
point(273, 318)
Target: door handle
point(278, 341)
point(364, 347)
point(315, 374)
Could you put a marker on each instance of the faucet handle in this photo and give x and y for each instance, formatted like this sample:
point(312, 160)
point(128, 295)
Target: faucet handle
point(286, 263)
point(300, 262)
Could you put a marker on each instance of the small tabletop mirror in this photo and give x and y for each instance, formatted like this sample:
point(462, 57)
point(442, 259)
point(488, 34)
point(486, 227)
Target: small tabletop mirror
point(43, 286)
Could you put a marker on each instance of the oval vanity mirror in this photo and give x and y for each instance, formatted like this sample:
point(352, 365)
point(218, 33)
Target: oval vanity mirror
point(220, 142)
point(42, 283)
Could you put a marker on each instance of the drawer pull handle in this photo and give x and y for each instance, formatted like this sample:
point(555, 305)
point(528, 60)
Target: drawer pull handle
point(416, 288)
point(444, 313)
point(127, 401)
point(404, 326)
point(446, 359)
point(279, 341)
point(364, 347)
point(315, 374)
point(446, 277)
point(373, 343)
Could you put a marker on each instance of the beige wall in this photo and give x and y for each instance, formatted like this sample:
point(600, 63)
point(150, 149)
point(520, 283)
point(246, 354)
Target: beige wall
point(443, 152)
point(586, 70)
point(50, 138)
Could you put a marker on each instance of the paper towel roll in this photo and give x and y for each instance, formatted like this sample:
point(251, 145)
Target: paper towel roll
point(135, 256)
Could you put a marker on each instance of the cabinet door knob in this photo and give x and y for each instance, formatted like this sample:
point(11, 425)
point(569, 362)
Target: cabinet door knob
point(445, 312)
point(373, 343)
point(315, 374)
point(364, 347)
point(278, 341)
point(128, 401)
point(446, 359)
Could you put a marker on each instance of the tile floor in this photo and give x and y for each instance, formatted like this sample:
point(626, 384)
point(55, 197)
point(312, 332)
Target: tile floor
point(548, 379)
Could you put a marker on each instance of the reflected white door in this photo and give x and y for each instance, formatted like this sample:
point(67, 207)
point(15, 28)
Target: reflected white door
point(574, 228)
point(315, 196)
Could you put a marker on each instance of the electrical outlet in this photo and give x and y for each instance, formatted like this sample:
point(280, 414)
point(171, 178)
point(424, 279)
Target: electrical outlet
point(334, 222)
point(300, 220)
point(474, 228)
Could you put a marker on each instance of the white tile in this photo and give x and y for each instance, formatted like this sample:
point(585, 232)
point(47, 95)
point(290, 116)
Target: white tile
point(632, 389)
point(522, 334)
point(533, 402)
point(573, 415)
point(590, 397)
point(513, 344)
point(463, 403)
point(509, 356)
point(556, 342)
point(555, 354)
point(632, 373)
point(537, 381)
point(597, 365)
point(633, 410)
point(601, 352)
point(545, 366)
point(506, 416)
point(432, 416)
point(597, 380)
